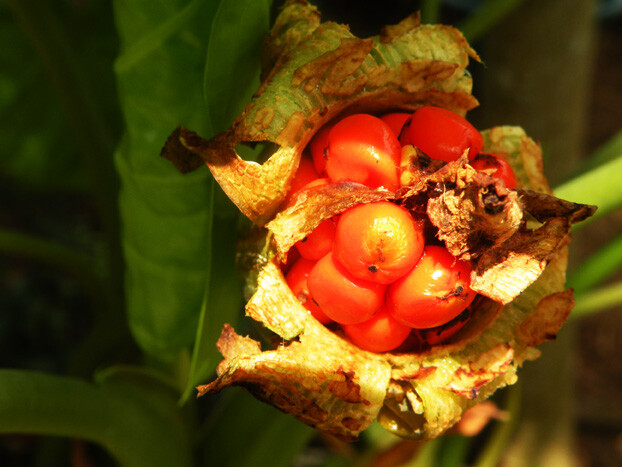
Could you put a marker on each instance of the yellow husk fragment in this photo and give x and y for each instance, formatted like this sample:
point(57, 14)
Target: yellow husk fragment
point(517, 239)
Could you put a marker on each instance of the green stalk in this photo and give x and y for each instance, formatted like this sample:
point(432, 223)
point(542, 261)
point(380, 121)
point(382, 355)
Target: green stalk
point(430, 11)
point(135, 432)
point(29, 246)
point(600, 187)
point(493, 452)
point(599, 300)
point(490, 13)
point(597, 268)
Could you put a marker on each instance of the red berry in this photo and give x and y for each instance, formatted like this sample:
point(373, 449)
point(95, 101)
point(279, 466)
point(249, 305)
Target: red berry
point(378, 242)
point(434, 292)
point(363, 149)
point(440, 334)
point(441, 134)
point(395, 121)
point(319, 242)
point(304, 175)
point(319, 148)
point(380, 333)
point(297, 280)
point(499, 167)
point(341, 296)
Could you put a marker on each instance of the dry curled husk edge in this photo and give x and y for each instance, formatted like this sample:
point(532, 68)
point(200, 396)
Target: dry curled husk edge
point(516, 239)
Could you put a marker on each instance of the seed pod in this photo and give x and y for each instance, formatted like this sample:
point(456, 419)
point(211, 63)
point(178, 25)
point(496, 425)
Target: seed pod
point(516, 239)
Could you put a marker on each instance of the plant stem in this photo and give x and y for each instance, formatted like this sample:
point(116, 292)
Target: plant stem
point(29, 246)
point(485, 17)
point(600, 187)
point(430, 11)
point(492, 454)
point(598, 300)
point(597, 268)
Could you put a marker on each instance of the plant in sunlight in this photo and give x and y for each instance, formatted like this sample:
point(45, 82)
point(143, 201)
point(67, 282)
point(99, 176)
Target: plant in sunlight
point(342, 242)
point(514, 240)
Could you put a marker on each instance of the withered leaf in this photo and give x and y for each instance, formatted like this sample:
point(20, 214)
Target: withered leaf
point(329, 72)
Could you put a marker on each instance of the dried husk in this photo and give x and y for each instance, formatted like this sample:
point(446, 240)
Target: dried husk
point(517, 239)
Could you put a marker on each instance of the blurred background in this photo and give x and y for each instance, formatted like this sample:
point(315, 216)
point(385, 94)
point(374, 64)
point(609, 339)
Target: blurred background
point(89, 91)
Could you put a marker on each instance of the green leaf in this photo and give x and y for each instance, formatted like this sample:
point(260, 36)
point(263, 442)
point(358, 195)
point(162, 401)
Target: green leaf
point(243, 432)
point(233, 51)
point(137, 422)
point(233, 58)
point(223, 299)
point(166, 216)
point(430, 11)
point(488, 14)
point(607, 152)
point(600, 187)
point(492, 453)
point(598, 300)
point(597, 268)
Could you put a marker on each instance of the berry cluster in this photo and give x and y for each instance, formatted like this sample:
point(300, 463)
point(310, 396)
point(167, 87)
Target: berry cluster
point(375, 269)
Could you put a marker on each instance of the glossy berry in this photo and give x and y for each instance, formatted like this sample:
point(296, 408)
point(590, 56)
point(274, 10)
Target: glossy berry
point(341, 296)
point(319, 242)
point(378, 242)
point(363, 149)
point(434, 292)
point(319, 148)
point(304, 175)
point(498, 166)
point(395, 121)
point(297, 281)
point(440, 334)
point(441, 134)
point(380, 333)
point(315, 183)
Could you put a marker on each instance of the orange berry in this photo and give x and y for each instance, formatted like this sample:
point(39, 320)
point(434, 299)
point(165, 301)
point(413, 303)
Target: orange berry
point(379, 242)
point(440, 334)
point(319, 148)
point(441, 134)
point(395, 121)
point(363, 149)
point(304, 175)
point(297, 280)
point(341, 296)
point(319, 242)
point(500, 168)
point(380, 333)
point(434, 292)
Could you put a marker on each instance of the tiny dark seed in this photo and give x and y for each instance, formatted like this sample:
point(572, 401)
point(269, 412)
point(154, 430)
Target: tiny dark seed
point(459, 290)
point(302, 297)
point(372, 269)
point(303, 240)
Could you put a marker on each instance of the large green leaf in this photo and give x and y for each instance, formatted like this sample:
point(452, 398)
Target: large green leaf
point(134, 419)
point(599, 187)
point(244, 432)
point(166, 216)
point(233, 58)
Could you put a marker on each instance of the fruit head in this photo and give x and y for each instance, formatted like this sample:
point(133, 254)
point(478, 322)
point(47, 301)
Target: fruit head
point(319, 73)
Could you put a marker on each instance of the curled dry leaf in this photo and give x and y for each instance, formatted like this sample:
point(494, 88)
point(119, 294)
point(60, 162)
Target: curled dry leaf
point(516, 239)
